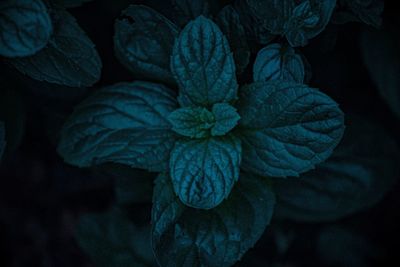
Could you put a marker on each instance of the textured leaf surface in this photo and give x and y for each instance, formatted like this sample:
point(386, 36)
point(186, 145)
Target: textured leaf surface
point(204, 171)
point(2, 139)
point(70, 57)
point(229, 22)
point(203, 65)
point(112, 240)
point(287, 128)
point(226, 118)
point(124, 123)
point(194, 122)
point(361, 170)
point(186, 237)
point(275, 62)
point(187, 10)
point(380, 50)
point(143, 42)
point(25, 27)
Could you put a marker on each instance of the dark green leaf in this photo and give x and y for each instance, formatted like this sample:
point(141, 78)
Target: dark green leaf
point(70, 58)
point(25, 27)
point(2, 139)
point(112, 240)
point(287, 128)
point(358, 174)
point(230, 24)
point(203, 65)
point(186, 237)
point(226, 118)
point(276, 62)
point(143, 42)
point(125, 123)
point(204, 171)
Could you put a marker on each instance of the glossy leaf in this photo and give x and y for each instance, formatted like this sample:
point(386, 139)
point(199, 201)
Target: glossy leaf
point(186, 237)
point(278, 63)
point(287, 128)
point(358, 174)
point(70, 58)
point(125, 123)
point(25, 27)
point(143, 42)
point(204, 171)
point(203, 65)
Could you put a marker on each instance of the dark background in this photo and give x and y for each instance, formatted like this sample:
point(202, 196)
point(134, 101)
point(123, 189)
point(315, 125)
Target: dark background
point(41, 198)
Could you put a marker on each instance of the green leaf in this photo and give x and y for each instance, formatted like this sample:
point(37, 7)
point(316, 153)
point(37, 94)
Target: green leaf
point(358, 174)
point(70, 58)
point(278, 63)
point(112, 240)
point(204, 171)
point(187, 10)
point(25, 27)
point(380, 51)
point(2, 139)
point(287, 128)
point(186, 237)
point(226, 118)
point(194, 122)
point(143, 42)
point(229, 22)
point(125, 123)
point(69, 3)
point(203, 65)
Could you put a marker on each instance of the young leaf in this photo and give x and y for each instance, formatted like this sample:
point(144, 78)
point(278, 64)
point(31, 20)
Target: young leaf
point(358, 174)
point(187, 10)
point(125, 123)
point(229, 22)
point(277, 63)
point(219, 237)
point(203, 65)
point(143, 42)
point(194, 122)
point(25, 27)
point(70, 57)
point(226, 118)
point(380, 50)
point(69, 3)
point(2, 139)
point(287, 128)
point(112, 240)
point(204, 171)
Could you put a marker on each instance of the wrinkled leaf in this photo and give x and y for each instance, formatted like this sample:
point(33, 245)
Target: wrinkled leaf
point(143, 42)
point(287, 128)
point(358, 174)
point(70, 58)
point(278, 63)
point(125, 123)
point(229, 22)
point(204, 171)
point(203, 65)
point(25, 27)
point(219, 237)
point(226, 118)
point(112, 240)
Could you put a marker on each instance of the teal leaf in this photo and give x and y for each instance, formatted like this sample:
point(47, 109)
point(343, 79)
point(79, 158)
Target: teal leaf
point(226, 118)
point(278, 63)
point(287, 128)
point(125, 123)
point(112, 240)
point(69, 59)
point(143, 42)
point(194, 122)
point(203, 171)
point(229, 22)
point(381, 55)
point(69, 3)
point(2, 139)
point(186, 237)
point(358, 174)
point(203, 65)
point(187, 10)
point(25, 27)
